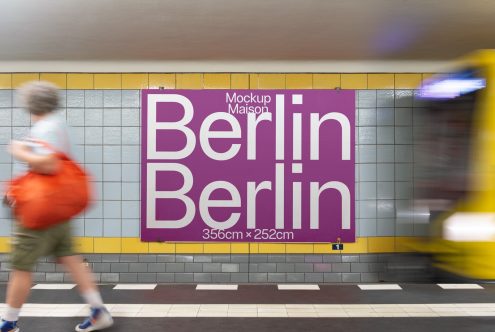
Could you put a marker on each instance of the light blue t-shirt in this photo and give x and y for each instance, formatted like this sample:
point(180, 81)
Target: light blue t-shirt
point(52, 130)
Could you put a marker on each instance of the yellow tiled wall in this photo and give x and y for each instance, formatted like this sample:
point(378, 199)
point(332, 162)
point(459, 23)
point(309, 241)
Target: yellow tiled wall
point(222, 81)
point(217, 80)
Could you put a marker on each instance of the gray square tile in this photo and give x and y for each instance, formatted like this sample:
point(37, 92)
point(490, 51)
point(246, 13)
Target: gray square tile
point(404, 153)
point(367, 154)
point(403, 172)
point(367, 117)
point(93, 117)
point(421, 117)
point(6, 98)
point(385, 172)
point(5, 135)
point(76, 135)
point(403, 116)
point(418, 101)
point(130, 227)
point(130, 191)
point(75, 117)
point(385, 190)
point(95, 210)
point(62, 101)
point(367, 135)
point(367, 172)
point(403, 190)
point(130, 209)
point(5, 117)
point(385, 116)
point(385, 153)
point(385, 227)
point(367, 227)
point(77, 226)
point(112, 135)
point(130, 117)
point(93, 227)
point(96, 171)
point(130, 136)
point(112, 191)
point(385, 135)
point(93, 135)
point(131, 98)
point(403, 135)
point(385, 98)
point(112, 154)
point(112, 98)
point(130, 172)
point(5, 158)
point(112, 209)
point(20, 133)
point(404, 98)
point(75, 98)
point(17, 101)
point(385, 208)
point(367, 190)
point(97, 190)
point(5, 172)
point(130, 154)
point(112, 117)
point(367, 209)
point(112, 228)
point(20, 117)
point(112, 172)
point(77, 153)
point(366, 98)
point(93, 98)
point(93, 154)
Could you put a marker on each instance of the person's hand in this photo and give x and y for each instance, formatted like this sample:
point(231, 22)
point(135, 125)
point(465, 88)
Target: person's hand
point(17, 149)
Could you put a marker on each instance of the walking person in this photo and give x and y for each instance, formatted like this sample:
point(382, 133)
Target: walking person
point(40, 154)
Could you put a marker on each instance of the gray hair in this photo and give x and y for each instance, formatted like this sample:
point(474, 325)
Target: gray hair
point(39, 97)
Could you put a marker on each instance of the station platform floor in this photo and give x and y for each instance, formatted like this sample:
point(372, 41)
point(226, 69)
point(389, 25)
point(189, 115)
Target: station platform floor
point(383, 307)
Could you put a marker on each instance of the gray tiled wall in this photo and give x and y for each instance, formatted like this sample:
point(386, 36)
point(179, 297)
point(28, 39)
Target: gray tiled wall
point(237, 269)
point(106, 134)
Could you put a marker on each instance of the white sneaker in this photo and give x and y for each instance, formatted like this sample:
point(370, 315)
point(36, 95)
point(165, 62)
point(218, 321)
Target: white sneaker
point(99, 319)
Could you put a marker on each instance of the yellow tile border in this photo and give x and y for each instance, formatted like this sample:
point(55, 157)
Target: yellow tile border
point(76, 81)
point(60, 80)
point(108, 81)
point(18, 79)
point(219, 80)
point(363, 245)
point(5, 81)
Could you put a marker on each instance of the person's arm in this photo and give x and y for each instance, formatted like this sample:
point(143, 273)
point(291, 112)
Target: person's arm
point(44, 164)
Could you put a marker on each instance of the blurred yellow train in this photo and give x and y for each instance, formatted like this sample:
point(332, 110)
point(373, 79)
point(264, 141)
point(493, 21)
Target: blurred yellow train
point(454, 171)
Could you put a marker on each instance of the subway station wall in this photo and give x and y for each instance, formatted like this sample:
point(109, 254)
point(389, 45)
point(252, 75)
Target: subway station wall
point(104, 111)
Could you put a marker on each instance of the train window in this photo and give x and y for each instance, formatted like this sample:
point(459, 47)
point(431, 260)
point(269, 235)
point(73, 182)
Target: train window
point(442, 139)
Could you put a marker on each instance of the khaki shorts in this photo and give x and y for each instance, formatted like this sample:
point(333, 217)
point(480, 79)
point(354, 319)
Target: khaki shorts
point(29, 245)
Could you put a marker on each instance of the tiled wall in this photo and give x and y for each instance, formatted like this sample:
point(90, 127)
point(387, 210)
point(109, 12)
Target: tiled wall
point(104, 111)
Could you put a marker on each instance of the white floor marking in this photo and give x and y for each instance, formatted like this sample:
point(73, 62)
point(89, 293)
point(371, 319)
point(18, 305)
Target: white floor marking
point(298, 287)
point(460, 286)
point(380, 287)
point(135, 286)
point(266, 310)
point(53, 286)
point(216, 287)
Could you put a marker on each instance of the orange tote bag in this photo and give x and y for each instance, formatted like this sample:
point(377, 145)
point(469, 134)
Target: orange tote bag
point(40, 201)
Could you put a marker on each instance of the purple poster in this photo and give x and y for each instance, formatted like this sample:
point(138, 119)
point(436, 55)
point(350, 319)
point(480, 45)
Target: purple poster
point(248, 166)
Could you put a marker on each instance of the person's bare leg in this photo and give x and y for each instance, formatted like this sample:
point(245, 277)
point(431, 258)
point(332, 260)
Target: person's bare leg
point(81, 274)
point(18, 288)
